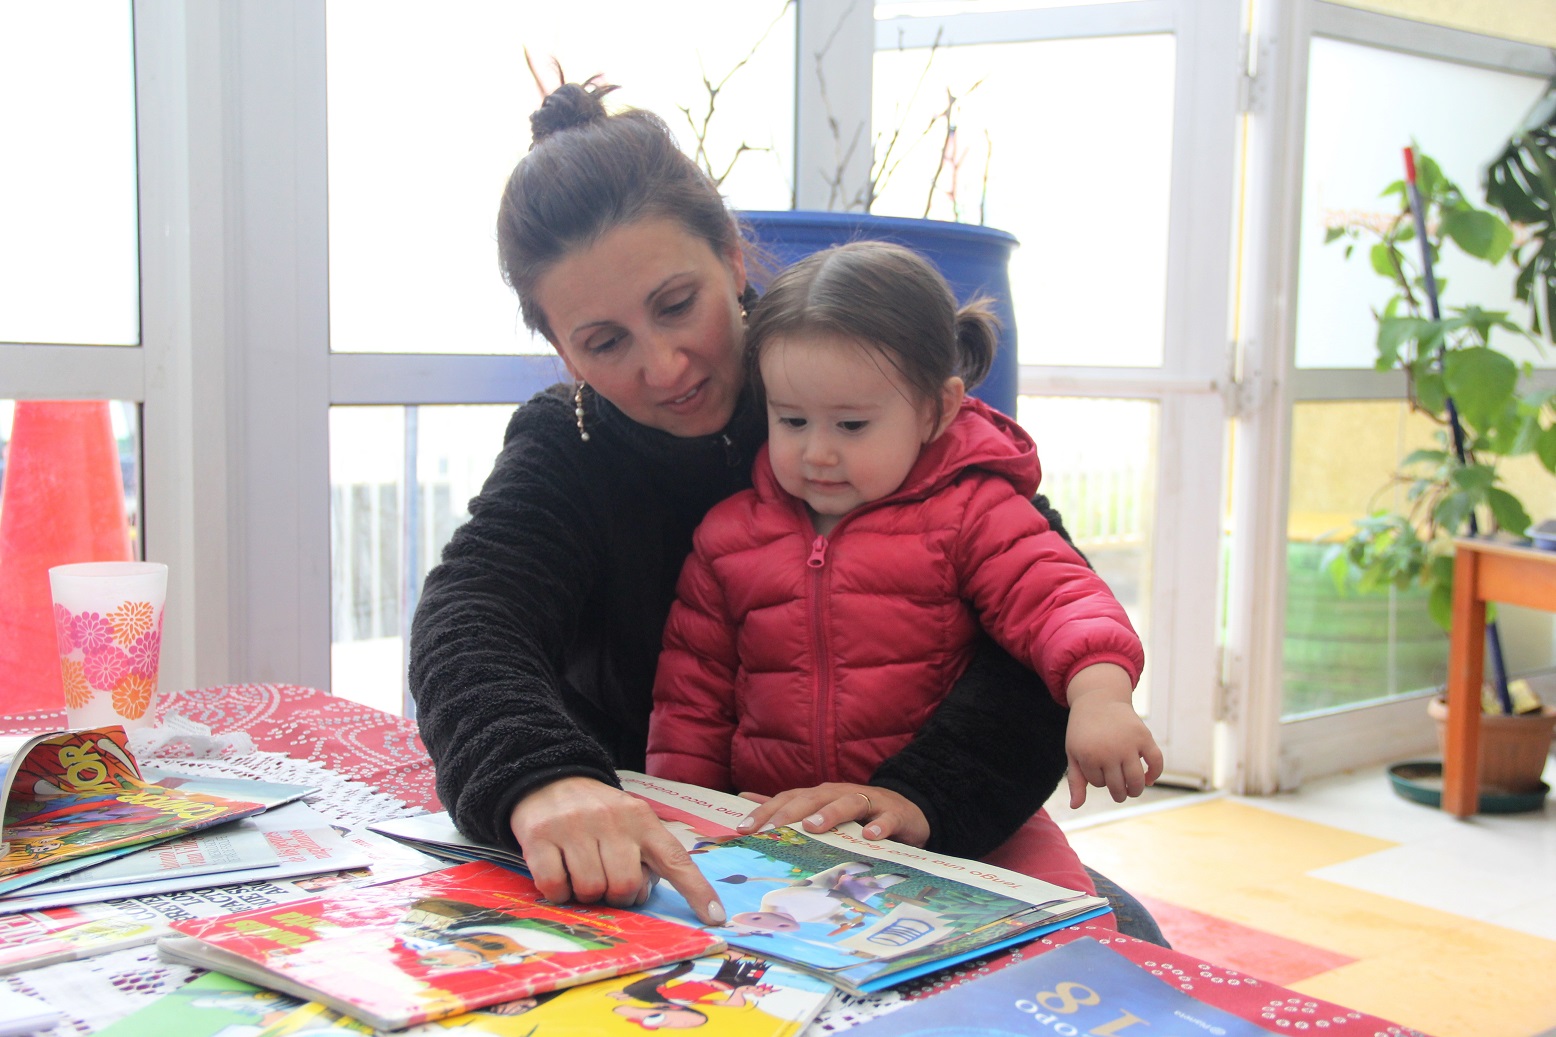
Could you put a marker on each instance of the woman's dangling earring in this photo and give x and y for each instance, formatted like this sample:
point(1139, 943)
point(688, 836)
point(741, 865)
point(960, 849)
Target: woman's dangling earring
point(578, 411)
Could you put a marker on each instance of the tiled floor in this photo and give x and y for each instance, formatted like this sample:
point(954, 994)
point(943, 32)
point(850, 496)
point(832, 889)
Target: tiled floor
point(1347, 891)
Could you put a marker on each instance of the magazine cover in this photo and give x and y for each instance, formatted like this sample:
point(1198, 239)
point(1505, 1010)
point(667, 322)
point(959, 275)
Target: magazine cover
point(431, 946)
point(1081, 987)
point(863, 914)
point(732, 993)
point(722, 995)
point(270, 793)
point(286, 842)
point(71, 794)
point(34, 939)
point(211, 1005)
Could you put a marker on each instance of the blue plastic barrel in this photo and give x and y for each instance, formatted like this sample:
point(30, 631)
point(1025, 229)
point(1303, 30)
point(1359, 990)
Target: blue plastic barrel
point(974, 260)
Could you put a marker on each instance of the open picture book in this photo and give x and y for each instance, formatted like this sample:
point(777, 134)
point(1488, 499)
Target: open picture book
point(862, 914)
point(72, 796)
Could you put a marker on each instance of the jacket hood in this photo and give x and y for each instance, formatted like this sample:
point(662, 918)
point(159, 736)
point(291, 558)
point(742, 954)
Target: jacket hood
point(980, 437)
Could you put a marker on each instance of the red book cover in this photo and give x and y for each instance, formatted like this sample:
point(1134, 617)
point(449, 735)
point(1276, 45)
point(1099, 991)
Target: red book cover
point(431, 946)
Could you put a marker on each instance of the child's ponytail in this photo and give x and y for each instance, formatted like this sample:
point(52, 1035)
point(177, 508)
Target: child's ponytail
point(977, 339)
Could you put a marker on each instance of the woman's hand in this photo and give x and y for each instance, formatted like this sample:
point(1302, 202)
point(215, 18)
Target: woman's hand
point(1108, 744)
point(584, 840)
point(885, 814)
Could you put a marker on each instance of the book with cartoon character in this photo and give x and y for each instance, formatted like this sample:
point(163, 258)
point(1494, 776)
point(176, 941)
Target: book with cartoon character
point(74, 796)
point(431, 946)
point(862, 914)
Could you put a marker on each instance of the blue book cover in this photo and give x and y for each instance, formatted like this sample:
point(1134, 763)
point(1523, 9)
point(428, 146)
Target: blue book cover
point(1079, 988)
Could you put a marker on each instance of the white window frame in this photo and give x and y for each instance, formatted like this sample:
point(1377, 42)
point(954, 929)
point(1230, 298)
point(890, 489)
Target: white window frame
point(1269, 755)
point(1189, 389)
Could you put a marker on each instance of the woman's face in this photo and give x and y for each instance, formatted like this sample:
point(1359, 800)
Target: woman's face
point(649, 316)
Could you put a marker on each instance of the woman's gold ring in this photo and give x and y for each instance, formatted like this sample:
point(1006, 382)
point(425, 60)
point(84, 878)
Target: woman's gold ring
point(868, 806)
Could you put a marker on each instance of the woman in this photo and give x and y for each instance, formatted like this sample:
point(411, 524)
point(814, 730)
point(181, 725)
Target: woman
point(535, 641)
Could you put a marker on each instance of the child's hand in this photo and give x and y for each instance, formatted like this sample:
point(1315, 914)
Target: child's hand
point(1106, 740)
point(885, 814)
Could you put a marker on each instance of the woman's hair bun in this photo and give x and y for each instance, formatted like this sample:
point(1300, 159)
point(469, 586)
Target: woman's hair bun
point(569, 105)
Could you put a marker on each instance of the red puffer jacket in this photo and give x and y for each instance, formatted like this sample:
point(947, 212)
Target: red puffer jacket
point(792, 659)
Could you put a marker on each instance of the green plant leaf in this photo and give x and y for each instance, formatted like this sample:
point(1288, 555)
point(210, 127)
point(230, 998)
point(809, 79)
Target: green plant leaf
point(1475, 479)
point(1480, 234)
point(1439, 605)
point(1415, 457)
point(1430, 180)
point(1481, 382)
point(1545, 448)
point(1382, 257)
point(1332, 233)
point(1508, 510)
point(1453, 512)
point(1429, 389)
point(1339, 569)
point(1394, 332)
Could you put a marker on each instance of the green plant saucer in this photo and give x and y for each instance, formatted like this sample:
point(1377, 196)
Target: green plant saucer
point(1421, 781)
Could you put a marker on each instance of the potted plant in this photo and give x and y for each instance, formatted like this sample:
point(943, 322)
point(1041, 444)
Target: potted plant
point(1486, 410)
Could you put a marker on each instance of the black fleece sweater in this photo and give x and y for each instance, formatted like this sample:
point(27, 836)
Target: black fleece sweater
point(535, 641)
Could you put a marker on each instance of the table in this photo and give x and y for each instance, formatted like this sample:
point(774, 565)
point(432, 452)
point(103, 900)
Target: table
point(1483, 571)
point(353, 740)
point(378, 749)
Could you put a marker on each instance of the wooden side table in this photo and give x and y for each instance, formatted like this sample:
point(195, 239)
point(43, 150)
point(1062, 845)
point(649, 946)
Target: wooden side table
point(1483, 571)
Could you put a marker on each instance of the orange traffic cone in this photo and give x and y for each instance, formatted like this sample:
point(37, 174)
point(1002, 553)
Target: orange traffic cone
point(62, 501)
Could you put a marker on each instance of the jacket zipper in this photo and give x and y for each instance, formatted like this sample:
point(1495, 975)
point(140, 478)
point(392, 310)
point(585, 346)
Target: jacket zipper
point(817, 563)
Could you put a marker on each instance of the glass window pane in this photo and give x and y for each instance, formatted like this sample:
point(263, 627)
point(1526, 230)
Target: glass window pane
point(1364, 106)
point(383, 540)
point(1346, 648)
point(69, 492)
point(1104, 486)
point(69, 251)
point(1088, 203)
point(428, 112)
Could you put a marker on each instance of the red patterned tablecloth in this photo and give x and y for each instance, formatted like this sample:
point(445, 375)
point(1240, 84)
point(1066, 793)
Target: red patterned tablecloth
point(353, 740)
point(385, 751)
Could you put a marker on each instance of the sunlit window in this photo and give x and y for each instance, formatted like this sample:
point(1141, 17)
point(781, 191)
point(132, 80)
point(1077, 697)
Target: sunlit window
point(429, 112)
point(69, 260)
point(1364, 106)
point(1038, 151)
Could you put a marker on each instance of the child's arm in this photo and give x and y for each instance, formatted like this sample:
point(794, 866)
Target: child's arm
point(1107, 741)
point(692, 728)
point(1035, 594)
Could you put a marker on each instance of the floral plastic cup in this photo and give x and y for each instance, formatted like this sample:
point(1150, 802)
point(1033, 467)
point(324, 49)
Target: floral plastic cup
point(108, 620)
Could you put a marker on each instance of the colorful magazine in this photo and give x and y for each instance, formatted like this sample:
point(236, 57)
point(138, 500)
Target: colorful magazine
point(862, 914)
point(72, 794)
point(33, 939)
point(722, 995)
point(287, 842)
point(1080, 988)
point(431, 946)
point(268, 793)
point(211, 1005)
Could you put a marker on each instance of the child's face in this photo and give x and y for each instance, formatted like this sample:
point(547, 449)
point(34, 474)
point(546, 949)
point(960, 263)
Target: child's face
point(844, 429)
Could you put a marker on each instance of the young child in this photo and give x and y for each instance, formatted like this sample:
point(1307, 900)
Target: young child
point(824, 613)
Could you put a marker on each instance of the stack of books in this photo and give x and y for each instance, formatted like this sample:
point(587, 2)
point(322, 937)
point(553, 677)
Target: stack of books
point(93, 846)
